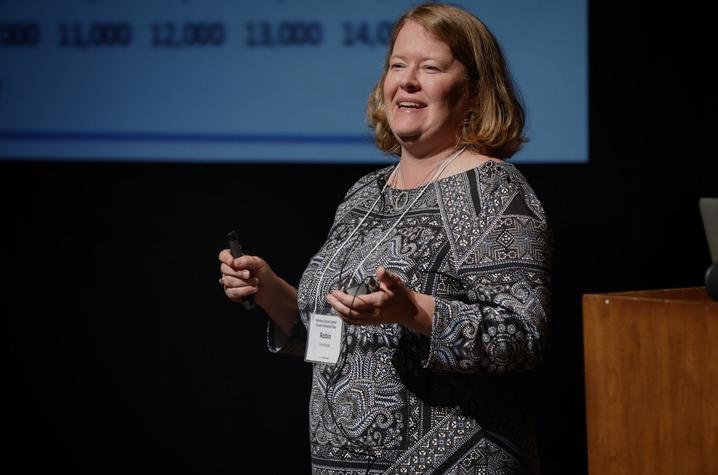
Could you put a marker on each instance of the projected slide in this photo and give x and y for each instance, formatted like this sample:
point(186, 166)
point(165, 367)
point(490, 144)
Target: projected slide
point(235, 80)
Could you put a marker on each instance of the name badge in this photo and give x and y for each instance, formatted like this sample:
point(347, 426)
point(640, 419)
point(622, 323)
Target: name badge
point(324, 340)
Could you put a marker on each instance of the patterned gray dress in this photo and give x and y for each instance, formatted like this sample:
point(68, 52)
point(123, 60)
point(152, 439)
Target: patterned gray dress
point(456, 402)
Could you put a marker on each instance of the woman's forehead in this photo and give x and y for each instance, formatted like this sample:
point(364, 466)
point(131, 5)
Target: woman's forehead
point(413, 37)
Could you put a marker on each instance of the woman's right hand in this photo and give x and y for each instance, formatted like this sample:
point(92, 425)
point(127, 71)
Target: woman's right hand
point(243, 276)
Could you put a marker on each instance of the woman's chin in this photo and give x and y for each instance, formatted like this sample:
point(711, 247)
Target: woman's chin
point(407, 137)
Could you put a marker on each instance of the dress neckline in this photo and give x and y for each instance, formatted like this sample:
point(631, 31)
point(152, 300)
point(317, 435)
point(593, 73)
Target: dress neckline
point(388, 171)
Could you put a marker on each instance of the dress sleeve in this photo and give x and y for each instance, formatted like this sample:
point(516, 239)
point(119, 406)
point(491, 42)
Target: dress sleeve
point(293, 344)
point(498, 321)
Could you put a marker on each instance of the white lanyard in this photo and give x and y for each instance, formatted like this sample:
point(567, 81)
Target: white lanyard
point(329, 263)
point(379, 242)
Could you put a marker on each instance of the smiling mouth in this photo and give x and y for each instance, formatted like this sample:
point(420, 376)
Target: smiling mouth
point(410, 105)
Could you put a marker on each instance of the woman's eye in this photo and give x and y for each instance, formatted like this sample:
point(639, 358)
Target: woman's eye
point(396, 65)
point(431, 68)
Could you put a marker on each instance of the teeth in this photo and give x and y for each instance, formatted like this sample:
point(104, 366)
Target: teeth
point(413, 105)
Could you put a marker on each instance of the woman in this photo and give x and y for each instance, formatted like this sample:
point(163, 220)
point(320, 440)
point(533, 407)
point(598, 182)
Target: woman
point(428, 374)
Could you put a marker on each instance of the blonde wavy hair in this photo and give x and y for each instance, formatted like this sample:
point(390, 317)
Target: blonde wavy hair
point(494, 123)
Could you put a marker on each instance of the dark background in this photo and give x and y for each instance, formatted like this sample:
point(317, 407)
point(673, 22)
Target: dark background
point(123, 354)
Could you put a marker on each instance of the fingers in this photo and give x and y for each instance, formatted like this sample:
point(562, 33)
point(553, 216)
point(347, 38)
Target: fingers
point(234, 282)
point(359, 310)
point(237, 289)
point(388, 279)
point(387, 305)
point(241, 274)
point(240, 293)
point(252, 263)
point(243, 262)
point(225, 257)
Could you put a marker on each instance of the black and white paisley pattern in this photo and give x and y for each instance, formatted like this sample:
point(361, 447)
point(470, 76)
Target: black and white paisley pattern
point(399, 402)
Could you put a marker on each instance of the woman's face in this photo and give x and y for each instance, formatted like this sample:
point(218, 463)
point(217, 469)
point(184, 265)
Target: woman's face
point(425, 90)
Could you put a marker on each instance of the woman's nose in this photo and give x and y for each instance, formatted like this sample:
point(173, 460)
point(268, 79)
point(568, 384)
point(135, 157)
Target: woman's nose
point(409, 80)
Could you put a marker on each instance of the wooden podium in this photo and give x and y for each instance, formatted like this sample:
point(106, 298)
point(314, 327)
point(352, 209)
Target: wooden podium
point(651, 368)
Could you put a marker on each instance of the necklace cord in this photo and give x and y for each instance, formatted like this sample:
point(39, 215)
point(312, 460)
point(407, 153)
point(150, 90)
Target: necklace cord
point(444, 164)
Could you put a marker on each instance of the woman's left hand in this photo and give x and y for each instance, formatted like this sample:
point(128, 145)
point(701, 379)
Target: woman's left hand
point(393, 302)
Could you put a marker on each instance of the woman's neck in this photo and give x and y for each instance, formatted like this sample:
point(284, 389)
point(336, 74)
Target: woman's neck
point(416, 170)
